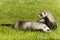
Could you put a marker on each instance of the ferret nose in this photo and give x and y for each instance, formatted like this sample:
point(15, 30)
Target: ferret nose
point(48, 30)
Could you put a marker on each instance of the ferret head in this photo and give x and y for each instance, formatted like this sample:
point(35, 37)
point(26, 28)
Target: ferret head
point(45, 28)
point(49, 20)
point(42, 14)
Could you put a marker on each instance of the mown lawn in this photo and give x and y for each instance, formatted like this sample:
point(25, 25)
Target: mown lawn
point(14, 10)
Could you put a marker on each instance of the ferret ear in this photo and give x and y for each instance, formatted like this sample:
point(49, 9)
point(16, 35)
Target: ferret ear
point(45, 13)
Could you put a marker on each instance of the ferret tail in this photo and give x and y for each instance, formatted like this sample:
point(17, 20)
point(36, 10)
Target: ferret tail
point(6, 24)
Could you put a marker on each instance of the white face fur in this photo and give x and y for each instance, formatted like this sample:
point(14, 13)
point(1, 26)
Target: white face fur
point(43, 14)
point(46, 28)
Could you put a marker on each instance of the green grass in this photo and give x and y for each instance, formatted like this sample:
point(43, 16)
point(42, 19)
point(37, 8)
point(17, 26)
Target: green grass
point(14, 10)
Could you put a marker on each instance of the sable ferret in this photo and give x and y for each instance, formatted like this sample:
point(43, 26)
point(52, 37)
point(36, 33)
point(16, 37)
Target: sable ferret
point(29, 26)
point(48, 19)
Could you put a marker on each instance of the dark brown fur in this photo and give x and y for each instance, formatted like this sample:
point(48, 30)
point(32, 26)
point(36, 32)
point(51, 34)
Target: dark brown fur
point(13, 25)
point(50, 24)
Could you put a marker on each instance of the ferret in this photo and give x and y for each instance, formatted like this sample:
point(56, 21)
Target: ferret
point(24, 25)
point(48, 19)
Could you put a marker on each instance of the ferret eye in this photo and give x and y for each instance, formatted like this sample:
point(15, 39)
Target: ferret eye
point(44, 26)
point(40, 14)
point(44, 12)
